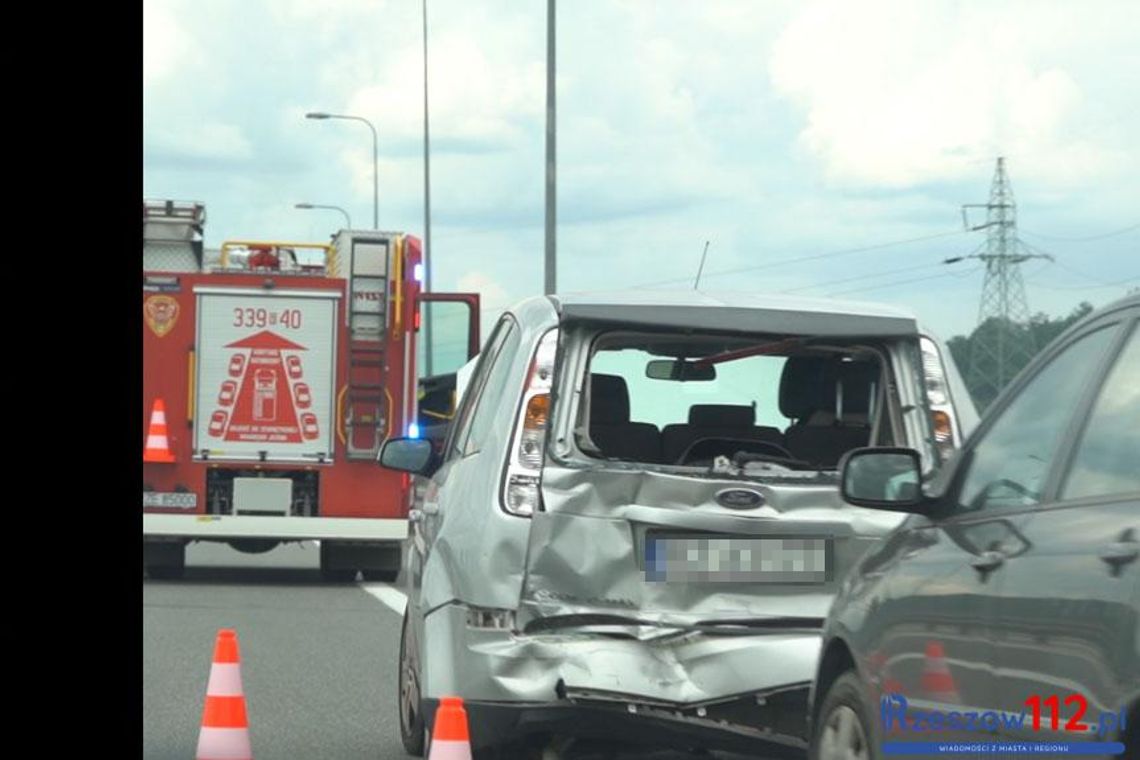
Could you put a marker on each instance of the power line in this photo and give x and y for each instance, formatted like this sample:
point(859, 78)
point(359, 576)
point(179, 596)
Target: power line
point(1066, 239)
point(861, 277)
point(901, 282)
point(813, 257)
point(1115, 284)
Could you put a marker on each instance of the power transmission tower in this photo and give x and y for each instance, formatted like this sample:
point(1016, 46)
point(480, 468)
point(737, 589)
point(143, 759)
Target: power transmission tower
point(1002, 343)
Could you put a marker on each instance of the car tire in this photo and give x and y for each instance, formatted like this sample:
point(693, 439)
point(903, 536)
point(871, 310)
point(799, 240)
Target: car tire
point(844, 727)
point(413, 733)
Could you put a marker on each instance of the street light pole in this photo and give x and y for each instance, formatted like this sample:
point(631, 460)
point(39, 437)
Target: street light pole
point(375, 158)
point(428, 252)
point(550, 265)
point(347, 218)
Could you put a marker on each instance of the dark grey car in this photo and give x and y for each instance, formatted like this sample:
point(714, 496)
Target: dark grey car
point(1013, 588)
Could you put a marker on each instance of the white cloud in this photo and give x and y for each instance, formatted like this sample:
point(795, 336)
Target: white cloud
point(898, 93)
point(211, 140)
point(165, 43)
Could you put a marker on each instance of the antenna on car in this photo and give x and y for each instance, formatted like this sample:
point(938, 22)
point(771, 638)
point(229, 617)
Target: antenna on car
point(701, 268)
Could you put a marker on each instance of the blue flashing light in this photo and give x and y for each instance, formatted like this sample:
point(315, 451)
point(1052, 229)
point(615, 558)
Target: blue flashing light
point(418, 273)
point(413, 430)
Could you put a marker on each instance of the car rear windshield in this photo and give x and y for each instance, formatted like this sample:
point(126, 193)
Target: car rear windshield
point(792, 402)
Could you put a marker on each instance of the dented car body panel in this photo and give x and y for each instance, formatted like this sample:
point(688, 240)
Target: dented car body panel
point(587, 602)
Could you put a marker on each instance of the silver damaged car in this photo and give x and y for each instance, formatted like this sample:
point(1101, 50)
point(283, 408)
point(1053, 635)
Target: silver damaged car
point(633, 531)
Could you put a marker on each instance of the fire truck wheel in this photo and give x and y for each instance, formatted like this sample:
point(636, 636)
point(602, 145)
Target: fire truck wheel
point(380, 576)
point(166, 572)
point(164, 560)
point(332, 565)
point(330, 575)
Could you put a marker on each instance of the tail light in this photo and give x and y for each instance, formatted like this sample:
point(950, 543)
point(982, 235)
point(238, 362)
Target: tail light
point(946, 434)
point(521, 494)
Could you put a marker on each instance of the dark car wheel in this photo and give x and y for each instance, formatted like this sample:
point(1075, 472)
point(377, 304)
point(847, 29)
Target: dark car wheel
point(408, 700)
point(843, 730)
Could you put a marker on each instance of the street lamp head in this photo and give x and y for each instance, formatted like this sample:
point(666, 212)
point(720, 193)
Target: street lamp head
point(303, 205)
point(316, 115)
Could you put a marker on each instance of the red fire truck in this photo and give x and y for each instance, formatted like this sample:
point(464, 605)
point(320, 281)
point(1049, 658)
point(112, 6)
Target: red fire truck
point(272, 374)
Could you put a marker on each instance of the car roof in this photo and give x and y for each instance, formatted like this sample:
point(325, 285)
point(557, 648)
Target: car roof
point(751, 312)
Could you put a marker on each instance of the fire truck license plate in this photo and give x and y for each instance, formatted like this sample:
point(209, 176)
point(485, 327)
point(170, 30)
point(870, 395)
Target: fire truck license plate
point(170, 500)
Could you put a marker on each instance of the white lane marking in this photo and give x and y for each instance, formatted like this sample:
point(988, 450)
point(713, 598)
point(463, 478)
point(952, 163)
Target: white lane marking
point(392, 598)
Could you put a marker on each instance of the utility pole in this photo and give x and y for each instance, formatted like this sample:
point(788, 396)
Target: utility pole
point(550, 269)
point(1002, 344)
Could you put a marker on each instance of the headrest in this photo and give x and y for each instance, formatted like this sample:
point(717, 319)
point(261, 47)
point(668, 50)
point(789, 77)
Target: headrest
point(609, 400)
point(858, 379)
point(807, 384)
point(722, 415)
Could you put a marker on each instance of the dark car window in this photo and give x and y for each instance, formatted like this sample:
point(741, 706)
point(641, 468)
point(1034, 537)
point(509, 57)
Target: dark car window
point(489, 404)
point(1107, 460)
point(475, 384)
point(1010, 464)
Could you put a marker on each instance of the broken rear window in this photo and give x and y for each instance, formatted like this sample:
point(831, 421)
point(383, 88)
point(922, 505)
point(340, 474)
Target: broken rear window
point(687, 400)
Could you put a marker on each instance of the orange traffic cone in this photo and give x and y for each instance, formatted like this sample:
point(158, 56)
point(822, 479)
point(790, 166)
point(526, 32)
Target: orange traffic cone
point(449, 737)
point(225, 726)
point(157, 444)
point(937, 681)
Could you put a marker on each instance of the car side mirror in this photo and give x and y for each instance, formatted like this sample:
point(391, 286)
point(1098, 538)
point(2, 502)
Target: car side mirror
point(414, 455)
point(883, 478)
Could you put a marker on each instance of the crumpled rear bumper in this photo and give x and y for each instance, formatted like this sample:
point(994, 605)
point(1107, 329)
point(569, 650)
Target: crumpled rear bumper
point(603, 724)
point(747, 690)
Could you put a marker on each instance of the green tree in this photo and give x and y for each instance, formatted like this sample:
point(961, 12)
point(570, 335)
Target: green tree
point(1041, 328)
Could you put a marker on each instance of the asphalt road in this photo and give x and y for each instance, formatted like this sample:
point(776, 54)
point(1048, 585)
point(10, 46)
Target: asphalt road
point(318, 661)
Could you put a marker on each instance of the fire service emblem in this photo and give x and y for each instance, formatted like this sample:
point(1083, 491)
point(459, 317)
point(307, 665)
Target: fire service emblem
point(161, 314)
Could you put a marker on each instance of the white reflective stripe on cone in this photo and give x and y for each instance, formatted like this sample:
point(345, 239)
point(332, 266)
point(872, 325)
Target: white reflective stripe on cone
point(441, 750)
point(225, 680)
point(154, 441)
point(224, 744)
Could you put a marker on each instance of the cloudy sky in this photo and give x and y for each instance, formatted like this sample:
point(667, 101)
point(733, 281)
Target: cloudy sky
point(822, 147)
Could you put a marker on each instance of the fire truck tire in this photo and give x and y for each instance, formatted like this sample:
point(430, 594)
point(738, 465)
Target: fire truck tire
point(164, 561)
point(332, 565)
point(165, 572)
point(380, 576)
point(338, 576)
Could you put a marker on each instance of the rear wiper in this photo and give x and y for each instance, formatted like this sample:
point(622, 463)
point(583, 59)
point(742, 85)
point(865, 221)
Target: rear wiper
point(725, 627)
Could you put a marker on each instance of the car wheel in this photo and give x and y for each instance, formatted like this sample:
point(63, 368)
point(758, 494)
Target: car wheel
point(843, 729)
point(412, 730)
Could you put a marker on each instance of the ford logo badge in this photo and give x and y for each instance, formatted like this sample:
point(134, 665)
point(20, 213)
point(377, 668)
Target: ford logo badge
point(739, 498)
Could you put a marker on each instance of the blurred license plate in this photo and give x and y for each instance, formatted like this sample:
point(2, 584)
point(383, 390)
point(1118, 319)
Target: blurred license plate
point(687, 559)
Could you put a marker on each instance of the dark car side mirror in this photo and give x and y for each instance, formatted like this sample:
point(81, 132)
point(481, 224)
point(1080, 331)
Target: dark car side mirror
point(414, 455)
point(883, 478)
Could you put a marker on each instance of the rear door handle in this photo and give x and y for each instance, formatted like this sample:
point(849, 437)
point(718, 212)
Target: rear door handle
point(1118, 554)
point(987, 561)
